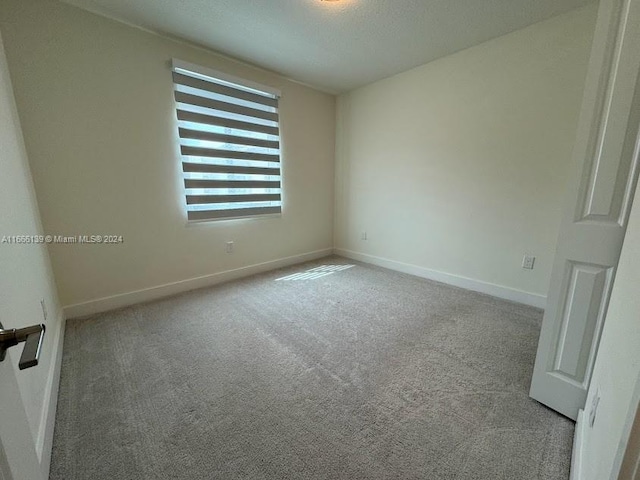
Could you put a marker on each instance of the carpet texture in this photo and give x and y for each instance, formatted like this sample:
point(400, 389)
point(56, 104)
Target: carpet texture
point(362, 373)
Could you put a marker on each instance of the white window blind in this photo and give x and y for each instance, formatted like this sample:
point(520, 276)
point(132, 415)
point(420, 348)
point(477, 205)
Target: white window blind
point(230, 144)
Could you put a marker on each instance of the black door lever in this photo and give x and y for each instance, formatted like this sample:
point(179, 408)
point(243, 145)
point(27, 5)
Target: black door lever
point(32, 336)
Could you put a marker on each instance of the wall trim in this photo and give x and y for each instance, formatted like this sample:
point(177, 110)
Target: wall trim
point(578, 446)
point(500, 291)
point(153, 293)
point(44, 442)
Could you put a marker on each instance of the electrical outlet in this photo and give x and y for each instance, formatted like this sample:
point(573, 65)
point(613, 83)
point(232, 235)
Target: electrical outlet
point(363, 236)
point(528, 261)
point(44, 309)
point(229, 247)
point(594, 408)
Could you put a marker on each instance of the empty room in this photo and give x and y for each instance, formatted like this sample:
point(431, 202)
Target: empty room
point(319, 239)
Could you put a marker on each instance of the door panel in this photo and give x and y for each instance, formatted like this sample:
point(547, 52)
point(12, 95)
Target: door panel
point(594, 225)
point(586, 288)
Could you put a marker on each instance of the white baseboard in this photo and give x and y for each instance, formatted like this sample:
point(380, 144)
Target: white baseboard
point(578, 444)
point(500, 291)
point(131, 298)
point(44, 443)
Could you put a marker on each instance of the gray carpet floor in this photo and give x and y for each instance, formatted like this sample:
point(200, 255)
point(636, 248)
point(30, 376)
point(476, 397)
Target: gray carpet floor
point(363, 373)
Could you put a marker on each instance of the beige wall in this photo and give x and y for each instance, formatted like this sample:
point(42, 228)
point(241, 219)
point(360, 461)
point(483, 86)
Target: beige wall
point(460, 165)
point(25, 275)
point(616, 374)
point(95, 100)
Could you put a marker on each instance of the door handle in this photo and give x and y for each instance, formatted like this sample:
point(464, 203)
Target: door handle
point(31, 336)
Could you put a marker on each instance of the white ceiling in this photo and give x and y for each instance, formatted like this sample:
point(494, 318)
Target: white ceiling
point(336, 46)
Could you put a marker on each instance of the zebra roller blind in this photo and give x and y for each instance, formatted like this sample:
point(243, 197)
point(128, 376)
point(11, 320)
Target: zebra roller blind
point(230, 144)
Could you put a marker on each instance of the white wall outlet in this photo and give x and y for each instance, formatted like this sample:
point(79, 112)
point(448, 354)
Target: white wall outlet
point(528, 262)
point(363, 236)
point(43, 304)
point(229, 247)
point(594, 408)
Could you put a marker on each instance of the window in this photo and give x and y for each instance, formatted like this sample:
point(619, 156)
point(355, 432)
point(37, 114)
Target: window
point(230, 144)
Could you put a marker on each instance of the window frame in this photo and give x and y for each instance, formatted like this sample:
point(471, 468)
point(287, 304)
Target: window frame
point(225, 79)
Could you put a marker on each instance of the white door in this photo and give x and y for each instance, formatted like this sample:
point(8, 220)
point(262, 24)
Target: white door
point(18, 458)
point(593, 228)
point(17, 448)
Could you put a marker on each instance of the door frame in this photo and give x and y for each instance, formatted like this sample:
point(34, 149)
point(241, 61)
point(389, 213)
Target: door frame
point(627, 461)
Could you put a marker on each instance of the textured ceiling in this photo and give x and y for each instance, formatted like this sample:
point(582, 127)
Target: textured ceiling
point(335, 46)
